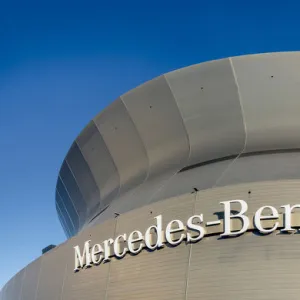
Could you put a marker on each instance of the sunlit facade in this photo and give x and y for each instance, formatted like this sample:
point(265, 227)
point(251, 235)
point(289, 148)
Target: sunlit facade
point(186, 187)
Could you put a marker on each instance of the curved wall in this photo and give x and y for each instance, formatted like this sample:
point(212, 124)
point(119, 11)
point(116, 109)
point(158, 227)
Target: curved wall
point(250, 266)
point(177, 146)
point(192, 116)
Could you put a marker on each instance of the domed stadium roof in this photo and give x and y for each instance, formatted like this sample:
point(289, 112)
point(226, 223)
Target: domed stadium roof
point(136, 150)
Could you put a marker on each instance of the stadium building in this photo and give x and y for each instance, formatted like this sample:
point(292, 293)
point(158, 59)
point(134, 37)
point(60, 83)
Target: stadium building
point(186, 187)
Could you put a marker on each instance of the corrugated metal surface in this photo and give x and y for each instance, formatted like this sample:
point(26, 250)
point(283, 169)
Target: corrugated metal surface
point(31, 281)
point(150, 275)
point(17, 285)
point(217, 131)
point(89, 283)
point(52, 274)
point(246, 267)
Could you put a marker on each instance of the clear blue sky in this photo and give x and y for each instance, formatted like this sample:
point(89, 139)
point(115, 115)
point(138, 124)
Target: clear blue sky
point(62, 62)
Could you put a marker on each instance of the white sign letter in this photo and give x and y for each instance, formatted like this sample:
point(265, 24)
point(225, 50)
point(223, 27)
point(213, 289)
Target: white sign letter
point(258, 217)
point(158, 230)
point(170, 230)
point(131, 242)
point(228, 216)
point(85, 258)
point(96, 250)
point(107, 253)
point(117, 246)
point(195, 227)
point(287, 217)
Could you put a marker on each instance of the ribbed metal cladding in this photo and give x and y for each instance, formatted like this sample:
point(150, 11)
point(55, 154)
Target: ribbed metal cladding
point(176, 146)
point(54, 262)
point(209, 114)
point(82, 285)
point(30, 280)
point(245, 267)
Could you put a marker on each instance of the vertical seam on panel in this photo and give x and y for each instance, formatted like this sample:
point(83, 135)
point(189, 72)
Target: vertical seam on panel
point(69, 196)
point(109, 267)
point(11, 284)
point(66, 161)
point(183, 123)
point(63, 283)
point(145, 148)
point(189, 148)
point(62, 224)
point(22, 284)
point(62, 220)
point(241, 104)
point(66, 210)
point(244, 123)
point(114, 163)
point(90, 173)
point(160, 188)
point(38, 281)
point(190, 255)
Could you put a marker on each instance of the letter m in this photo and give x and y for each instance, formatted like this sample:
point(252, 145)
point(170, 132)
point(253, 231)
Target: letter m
point(83, 259)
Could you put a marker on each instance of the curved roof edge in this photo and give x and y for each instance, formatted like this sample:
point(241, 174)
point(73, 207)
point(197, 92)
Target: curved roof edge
point(189, 116)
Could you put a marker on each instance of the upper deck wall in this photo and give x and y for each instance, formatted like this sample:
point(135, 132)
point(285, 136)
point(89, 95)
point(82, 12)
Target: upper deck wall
point(202, 113)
